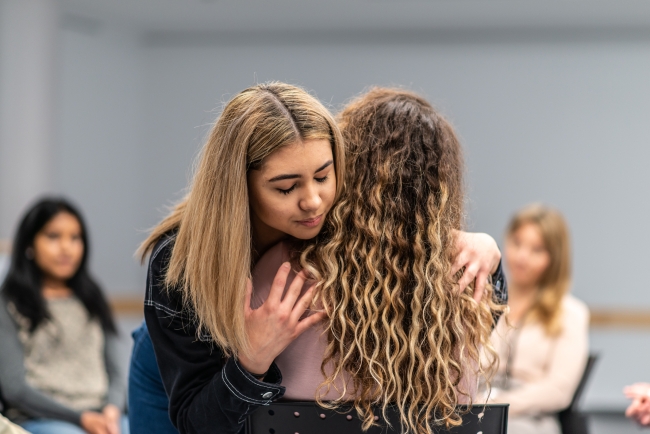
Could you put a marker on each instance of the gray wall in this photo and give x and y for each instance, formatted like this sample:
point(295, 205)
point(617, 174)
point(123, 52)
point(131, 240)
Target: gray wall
point(561, 122)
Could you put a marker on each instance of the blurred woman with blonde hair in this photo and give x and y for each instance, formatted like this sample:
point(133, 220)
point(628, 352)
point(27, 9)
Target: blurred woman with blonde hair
point(543, 341)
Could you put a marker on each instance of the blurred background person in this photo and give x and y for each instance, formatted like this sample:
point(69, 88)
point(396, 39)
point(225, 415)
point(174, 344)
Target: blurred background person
point(543, 341)
point(58, 372)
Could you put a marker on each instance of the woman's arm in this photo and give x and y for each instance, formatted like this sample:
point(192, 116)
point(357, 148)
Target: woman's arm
point(116, 379)
point(15, 390)
point(205, 390)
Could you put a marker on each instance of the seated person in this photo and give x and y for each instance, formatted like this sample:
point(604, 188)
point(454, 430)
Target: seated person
point(543, 341)
point(58, 367)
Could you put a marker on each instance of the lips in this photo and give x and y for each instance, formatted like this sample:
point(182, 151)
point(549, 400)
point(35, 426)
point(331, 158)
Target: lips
point(310, 223)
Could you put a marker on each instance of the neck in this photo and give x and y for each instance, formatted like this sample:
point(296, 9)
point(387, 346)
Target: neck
point(55, 288)
point(521, 292)
point(264, 237)
point(520, 299)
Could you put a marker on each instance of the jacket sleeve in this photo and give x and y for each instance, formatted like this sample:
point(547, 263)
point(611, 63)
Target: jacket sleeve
point(15, 390)
point(499, 291)
point(205, 389)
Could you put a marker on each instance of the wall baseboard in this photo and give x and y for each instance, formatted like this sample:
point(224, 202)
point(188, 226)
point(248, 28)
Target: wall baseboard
point(600, 318)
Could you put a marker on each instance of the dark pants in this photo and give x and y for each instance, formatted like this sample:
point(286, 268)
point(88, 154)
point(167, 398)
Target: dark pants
point(148, 402)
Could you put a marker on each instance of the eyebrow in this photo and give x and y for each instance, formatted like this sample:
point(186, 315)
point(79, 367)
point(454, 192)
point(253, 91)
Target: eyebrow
point(294, 176)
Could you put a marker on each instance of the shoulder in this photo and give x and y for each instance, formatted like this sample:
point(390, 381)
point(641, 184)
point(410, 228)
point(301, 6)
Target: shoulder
point(163, 247)
point(575, 310)
point(159, 295)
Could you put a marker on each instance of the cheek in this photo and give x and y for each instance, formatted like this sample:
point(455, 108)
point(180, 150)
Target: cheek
point(78, 252)
point(539, 263)
point(45, 251)
point(273, 210)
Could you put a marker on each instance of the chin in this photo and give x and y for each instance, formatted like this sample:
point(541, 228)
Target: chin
point(306, 233)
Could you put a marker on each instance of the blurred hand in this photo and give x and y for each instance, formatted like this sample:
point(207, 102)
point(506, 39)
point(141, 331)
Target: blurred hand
point(94, 423)
point(112, 415)
point(479, 254)
point(277, 322)
point(637, 390)
point(639, 409)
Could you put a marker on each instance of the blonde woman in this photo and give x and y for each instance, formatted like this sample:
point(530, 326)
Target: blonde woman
point(271, 170)
point(543, 345)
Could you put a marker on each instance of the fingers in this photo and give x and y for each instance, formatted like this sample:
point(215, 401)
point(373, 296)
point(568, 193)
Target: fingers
point(294, 290)
point(479, 285)
point(302, 304)
point(310, 321)
point(459, 262)
point(113, 427)
point(279, 282)
point(468, 277)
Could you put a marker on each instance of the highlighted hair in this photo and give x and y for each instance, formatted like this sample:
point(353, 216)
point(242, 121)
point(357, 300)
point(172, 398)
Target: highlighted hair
point(397, 324)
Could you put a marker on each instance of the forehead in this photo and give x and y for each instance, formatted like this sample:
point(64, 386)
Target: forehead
point(63, 220)
point(298, 157)
point(530, 231)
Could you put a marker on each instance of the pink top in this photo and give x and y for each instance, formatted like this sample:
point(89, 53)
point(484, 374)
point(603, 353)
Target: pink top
point(300, 362)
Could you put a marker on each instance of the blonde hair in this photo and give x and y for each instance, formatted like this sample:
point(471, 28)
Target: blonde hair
point(211, 257)
point(396, 325)
point(556, 279)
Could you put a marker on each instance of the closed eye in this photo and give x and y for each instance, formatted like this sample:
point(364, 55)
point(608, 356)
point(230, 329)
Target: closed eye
point(321, 180)
point(287, 191)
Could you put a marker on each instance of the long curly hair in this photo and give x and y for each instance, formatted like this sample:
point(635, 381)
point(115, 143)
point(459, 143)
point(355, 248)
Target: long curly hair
point(398, 327)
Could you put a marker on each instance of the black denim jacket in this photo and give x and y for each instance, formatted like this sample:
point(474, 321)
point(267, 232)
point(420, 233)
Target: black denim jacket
point(207, 392)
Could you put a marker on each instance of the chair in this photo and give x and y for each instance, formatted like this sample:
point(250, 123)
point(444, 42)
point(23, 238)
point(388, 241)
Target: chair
point(572, 420)
point(309, 418)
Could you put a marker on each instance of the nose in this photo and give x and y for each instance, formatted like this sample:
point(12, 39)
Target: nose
point(67, 245)
point(311, 200)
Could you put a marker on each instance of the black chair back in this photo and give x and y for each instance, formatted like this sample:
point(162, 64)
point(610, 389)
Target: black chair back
point(309, 418)
point(571, 419)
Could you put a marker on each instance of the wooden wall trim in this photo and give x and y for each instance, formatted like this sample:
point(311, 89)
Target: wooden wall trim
point(620, 318)
point(127, 306)
point(600, 318)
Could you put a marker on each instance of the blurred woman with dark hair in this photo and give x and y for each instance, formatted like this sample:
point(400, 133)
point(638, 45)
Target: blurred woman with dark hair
point(58, 367)
point(543, 341)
